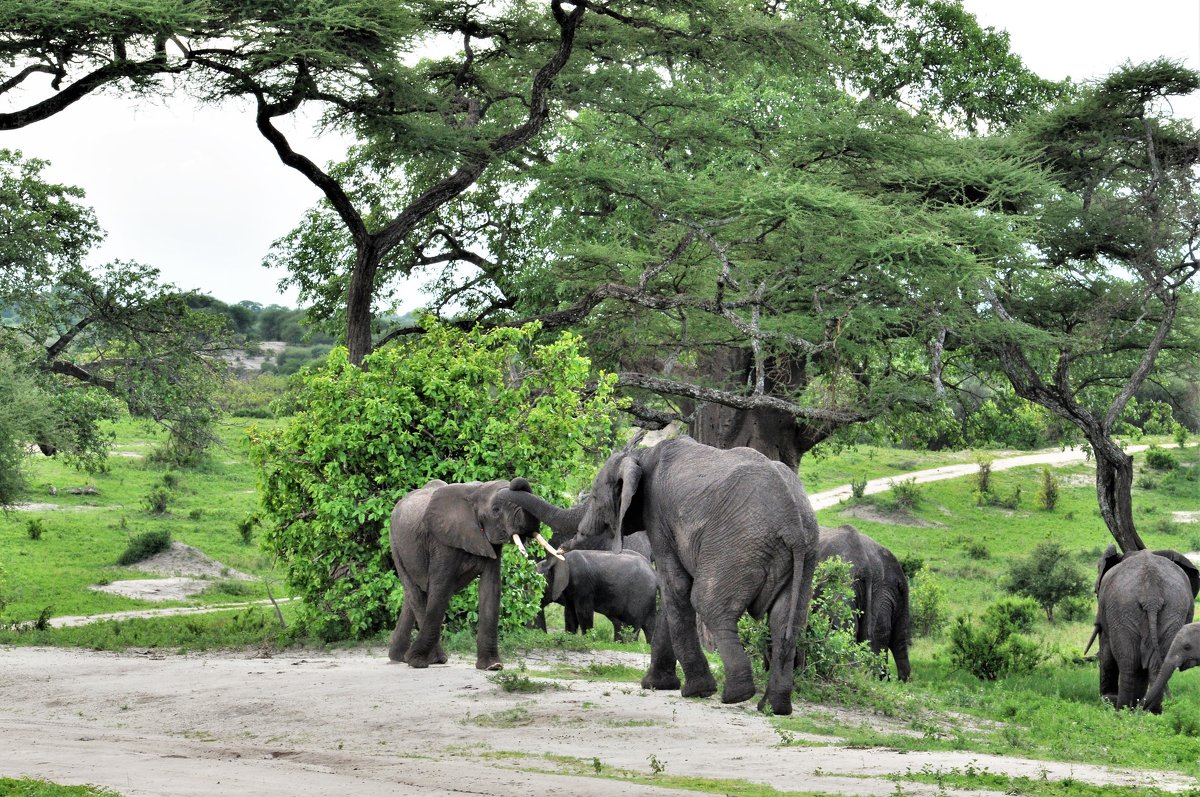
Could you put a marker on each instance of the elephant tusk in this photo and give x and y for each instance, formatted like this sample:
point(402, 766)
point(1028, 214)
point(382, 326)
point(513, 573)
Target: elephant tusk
point(520, 546)
point(549, 548)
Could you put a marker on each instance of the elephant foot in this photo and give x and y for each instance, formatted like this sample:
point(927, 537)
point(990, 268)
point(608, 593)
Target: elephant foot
point(661, 681)
point(704, 686)
point(439, 656)
point(489, 664)
point(417, 662)
point(781, 705)
point(737, 691)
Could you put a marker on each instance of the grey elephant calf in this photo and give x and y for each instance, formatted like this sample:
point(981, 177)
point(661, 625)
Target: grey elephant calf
point(880, 591)
point(1183, 654)
point(621, 586)
point(1144, 598)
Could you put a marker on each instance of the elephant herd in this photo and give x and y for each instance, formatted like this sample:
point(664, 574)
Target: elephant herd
point(679, 531)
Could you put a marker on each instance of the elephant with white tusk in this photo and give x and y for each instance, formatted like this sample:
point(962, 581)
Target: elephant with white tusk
point(443, 536)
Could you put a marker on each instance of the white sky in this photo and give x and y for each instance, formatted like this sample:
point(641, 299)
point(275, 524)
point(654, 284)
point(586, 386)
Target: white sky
point(199, 194)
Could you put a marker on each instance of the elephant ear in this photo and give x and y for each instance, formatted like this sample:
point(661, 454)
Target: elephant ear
point(629, 513)
point(452, 522)
point(1186, 566)
point(1110, 559)
point(560, 578)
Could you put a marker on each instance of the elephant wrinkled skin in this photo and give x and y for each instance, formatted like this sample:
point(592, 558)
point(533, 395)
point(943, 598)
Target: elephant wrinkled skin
point(1144, 598)
point(443, 536)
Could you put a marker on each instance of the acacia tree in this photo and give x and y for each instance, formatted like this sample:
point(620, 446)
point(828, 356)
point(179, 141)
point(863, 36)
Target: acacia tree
point(54, 54)
point(1080, 321)
point(749, 238)
point(97, 339)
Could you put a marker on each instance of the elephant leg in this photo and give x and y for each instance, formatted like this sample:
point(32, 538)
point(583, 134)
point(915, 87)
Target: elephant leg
point(1131, 687)
point(402, 634)
point(616, 624)
point(427, 646)
point(1109, 672)
point(739, 678)
point(787, 656)
point(570, 621)
point(661, 674)
point(648, 626)
point(900, 654)
point(539, 622)
point(584, 615)
point(487, 646)
point(698, 679)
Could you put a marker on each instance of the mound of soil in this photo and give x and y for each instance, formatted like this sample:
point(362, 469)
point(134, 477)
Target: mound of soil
point(892, 517)
point(188, 569)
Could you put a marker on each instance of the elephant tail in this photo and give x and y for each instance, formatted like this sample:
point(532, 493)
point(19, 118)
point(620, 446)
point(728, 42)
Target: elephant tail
point(1152, 654)
point(804, 564)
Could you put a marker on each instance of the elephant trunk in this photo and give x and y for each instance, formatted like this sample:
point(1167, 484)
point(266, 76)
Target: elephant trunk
point(1154, 696)
point(562, 521)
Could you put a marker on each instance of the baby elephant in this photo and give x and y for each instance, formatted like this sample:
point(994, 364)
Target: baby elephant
point(1183, 654)
point(621, 586)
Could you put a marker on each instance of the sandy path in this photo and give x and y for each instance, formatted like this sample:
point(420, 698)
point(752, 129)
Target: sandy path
point(352, 723)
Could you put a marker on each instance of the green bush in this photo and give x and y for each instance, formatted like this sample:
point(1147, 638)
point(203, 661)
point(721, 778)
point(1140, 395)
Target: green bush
point(831, 653)
point(906, 493)
point(1047, 494)
point(34, 528)
point(1013, 615)
point(992, 648)
point(977, 550)
point(156, 501)
point(858, 488)
point(1047, 576)
point(449, 405)
point(1159, 459)
point(145, 545)
point(983, 477)
point(926, 604)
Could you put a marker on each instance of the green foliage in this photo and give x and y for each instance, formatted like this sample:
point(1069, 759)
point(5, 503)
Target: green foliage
point(252, 395)
point(983, 478)
point(1160, 460)
point(906, 493)
point(145, 545)
point(977, 550)
point(33, 787)
point(1047, 495)
point(1012, 615)
point(926, 603)
point(35, 528)
point(858, 488)
point(450, 405)
point(911, 564)
point(156, 501)
point(1048, 576)
point(1006, 421)
point(24, 413)
point(831, 652)
point(995, 647)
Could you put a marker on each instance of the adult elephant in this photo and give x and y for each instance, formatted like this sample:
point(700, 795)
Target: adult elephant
point(880, 592)
point(443, 536)
point(1144, 598)
point(621, 586)
point(731, 532)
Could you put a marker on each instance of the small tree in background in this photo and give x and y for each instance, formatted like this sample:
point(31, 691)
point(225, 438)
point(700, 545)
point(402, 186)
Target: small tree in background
point(1046, 575)
point(447, 405)
point(1048, 490)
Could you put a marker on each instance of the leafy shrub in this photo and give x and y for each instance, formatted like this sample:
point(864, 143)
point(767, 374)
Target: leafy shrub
point(911, 564)
point(246, 526)
point(1080, 607)
point(977, 550)
point(1006, 421)
point(1014, 615)
point(983, 477)
point(196, 513)
point(858, 488)
point(1160, 460)
point(1180, 435)
point(1146, 481)
point(34, 528)
point(145, 545)
point(1047, 576)
point(253, 396)
point(170, 480)
point(926, 604)
point(906, 493)
point(449, 405)
point(156, 501)
point(1047, 495)
point(831, 652)
point(992, 648)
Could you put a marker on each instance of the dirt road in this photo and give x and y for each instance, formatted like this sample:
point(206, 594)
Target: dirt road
point(352, 723)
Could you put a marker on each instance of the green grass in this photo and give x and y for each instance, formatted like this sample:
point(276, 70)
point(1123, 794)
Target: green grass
point(30, 787)
point(85, 536)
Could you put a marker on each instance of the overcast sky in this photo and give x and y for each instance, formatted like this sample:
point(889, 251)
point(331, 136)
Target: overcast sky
point(201, 196)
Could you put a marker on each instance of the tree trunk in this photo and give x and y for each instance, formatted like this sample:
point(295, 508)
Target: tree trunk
point(1114, 489)
point(359, 296)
